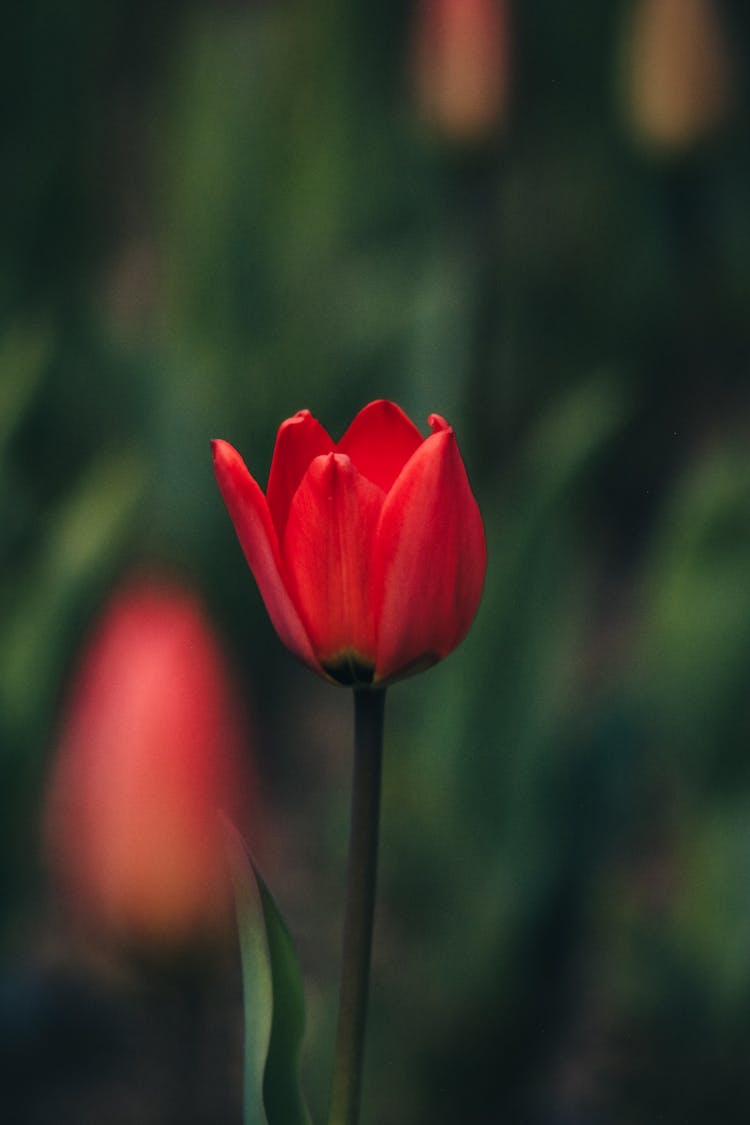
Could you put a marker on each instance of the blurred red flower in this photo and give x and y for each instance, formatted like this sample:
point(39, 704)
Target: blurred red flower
point(461, 65)
point(369, 553)
point(149, 751)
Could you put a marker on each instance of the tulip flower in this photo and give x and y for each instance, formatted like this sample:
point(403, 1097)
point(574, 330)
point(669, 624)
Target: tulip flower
point(148, 752)
point(369, 553)
point(679, 74)
point(461, 65)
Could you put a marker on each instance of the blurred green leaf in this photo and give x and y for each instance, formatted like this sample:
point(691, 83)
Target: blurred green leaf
point(273, 997)
point(83, 535)
point(572, 432)
point(692, 666)
point(24, 351)
point(712, 909)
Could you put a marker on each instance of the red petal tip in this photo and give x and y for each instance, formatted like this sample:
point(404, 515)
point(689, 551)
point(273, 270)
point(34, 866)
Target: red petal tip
point(438, 424)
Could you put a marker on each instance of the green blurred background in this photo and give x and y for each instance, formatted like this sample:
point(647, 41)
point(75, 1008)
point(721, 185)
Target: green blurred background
point(213, 215)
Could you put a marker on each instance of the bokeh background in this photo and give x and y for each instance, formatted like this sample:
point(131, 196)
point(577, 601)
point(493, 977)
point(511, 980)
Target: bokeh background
point(533, 218)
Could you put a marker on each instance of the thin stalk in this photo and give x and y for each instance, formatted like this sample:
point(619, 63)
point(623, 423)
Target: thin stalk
point(360, 906)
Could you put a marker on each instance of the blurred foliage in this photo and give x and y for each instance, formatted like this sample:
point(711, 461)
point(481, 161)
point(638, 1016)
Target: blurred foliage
point(215, 214)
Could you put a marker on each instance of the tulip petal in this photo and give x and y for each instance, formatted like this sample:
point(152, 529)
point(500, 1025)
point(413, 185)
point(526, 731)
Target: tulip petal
point(298, 441)
point(380, 440)
point(430, 559)
point(255, 530)
point(328, 551)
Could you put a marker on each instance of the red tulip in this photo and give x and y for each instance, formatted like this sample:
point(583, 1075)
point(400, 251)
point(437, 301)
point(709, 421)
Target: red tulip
point(369, 553)
point(149, 750)
point(461, 65)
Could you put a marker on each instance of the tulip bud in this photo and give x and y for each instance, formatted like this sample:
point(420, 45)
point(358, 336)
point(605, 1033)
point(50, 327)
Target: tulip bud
point(369, 552)
point(460, 65)
point(148, 752)
point(678, 75)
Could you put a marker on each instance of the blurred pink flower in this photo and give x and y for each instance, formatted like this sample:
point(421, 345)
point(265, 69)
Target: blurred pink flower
point(678, 77)
point(461, 65)
point(149, 750)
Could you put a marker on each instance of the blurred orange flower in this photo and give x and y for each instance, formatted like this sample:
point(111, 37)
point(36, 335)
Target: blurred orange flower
point(461, 65)
point(678, 74)
point(149, 750)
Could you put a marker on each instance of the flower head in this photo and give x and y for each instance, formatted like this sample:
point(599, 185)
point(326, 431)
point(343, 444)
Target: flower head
point(369, 553)
point(149, 750)
point(680, 80)
point(461, 66)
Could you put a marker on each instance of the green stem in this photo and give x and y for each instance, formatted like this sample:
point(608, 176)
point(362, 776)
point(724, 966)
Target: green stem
point(360, 906)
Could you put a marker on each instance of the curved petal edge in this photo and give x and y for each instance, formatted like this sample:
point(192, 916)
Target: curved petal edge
point(430, 559)
point(252, 521)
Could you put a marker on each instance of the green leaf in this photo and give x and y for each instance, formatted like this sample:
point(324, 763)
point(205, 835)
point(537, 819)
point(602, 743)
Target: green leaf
point(257, 988)
point(80, 543)
point(24, 353)
point(273, 998)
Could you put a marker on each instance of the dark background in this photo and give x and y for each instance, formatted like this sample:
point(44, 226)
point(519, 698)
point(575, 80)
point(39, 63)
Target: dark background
point(212, 215)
